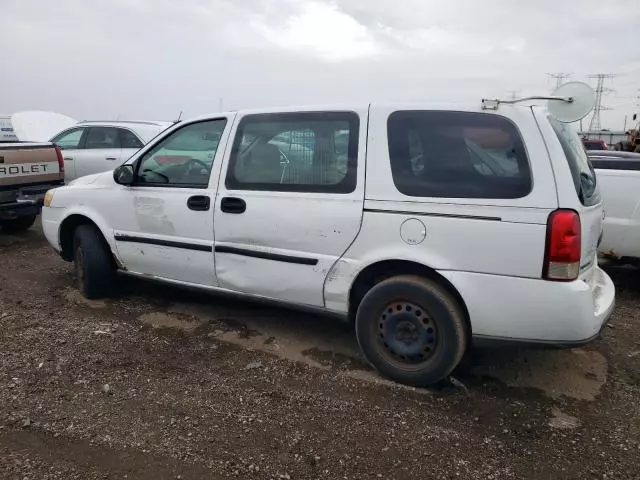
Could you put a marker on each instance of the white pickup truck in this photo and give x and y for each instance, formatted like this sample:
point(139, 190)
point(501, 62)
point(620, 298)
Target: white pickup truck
point(618, 176)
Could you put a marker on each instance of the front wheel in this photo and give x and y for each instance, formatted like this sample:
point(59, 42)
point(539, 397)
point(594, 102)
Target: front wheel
point(412, 330)
point(94, 270)
point(19, 224)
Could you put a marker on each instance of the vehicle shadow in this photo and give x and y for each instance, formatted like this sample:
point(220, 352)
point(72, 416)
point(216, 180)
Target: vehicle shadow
point(329, 342)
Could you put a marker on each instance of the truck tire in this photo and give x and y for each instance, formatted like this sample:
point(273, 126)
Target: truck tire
point(94, 272)
point(19, 224)
point(412, 330)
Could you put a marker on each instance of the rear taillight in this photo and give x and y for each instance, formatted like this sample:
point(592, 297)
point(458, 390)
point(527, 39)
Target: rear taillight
point(60, 159)
point(563, 250)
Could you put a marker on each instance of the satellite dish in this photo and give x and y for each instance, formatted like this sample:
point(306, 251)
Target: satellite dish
point(574, 102)
point(39, 126)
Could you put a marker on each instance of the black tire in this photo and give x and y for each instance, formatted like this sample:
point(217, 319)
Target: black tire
point(94, 272)
point(412, 330)
point(19, 224)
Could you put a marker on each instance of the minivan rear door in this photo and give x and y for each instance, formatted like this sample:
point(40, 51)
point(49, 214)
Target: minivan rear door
point(585, 187)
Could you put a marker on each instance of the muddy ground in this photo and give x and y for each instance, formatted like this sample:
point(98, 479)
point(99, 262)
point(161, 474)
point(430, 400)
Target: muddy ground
point(161, 383)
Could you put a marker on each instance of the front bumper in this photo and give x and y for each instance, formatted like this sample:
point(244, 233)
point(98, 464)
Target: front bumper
point(51, 226)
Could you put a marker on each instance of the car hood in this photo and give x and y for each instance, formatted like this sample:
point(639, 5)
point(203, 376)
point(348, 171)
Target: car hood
point(39, 126)
point(102, 179)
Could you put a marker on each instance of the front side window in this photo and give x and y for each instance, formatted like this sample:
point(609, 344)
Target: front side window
point(584, 177)
point(69, 140)
point(102, 138)
point(457, 155)
point(295, 152)
point(184, 158)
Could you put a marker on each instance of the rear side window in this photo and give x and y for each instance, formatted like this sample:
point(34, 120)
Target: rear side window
point(457, 155)
point(584, 177)
point(295, 152)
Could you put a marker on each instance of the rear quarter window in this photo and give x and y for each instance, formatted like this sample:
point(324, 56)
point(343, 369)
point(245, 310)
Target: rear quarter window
point(584, 177)
point(457, 155)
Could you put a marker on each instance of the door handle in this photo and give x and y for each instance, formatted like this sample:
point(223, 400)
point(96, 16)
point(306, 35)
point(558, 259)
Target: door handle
point(110, 158)
point(199, 203)
point(233, 205)
point(67, 159)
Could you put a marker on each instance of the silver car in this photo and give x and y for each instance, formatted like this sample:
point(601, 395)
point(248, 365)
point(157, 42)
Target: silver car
point(98, 146)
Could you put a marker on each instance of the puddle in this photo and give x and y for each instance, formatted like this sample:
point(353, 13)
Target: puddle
point(161, 320)
point(74, 296)
point(577, 374)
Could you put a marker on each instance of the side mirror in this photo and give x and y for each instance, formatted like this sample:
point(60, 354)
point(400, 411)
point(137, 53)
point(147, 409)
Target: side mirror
point(123, 175)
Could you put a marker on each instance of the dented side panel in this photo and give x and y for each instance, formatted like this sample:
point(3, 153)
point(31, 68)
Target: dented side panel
point(285, 243)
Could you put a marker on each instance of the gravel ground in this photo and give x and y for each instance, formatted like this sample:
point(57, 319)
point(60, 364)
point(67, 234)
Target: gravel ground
point(161, 382)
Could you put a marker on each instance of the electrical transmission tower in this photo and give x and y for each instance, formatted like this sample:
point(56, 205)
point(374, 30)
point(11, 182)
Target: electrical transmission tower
point(594, 124)
point(559, 77)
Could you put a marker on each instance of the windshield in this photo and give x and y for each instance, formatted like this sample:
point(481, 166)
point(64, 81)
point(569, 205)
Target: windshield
point(584, 177)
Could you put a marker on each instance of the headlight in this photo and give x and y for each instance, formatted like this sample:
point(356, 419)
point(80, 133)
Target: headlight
point(48, 198)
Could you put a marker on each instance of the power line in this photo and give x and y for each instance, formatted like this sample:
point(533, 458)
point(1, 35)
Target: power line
point(594, 124)
point(560, 76)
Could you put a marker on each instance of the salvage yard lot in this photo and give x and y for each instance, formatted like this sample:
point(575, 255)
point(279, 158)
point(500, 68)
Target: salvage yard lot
point(161, 382)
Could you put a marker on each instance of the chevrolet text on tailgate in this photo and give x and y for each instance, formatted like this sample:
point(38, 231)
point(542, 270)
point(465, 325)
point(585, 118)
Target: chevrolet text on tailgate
point(428, 227)
point(27, 171)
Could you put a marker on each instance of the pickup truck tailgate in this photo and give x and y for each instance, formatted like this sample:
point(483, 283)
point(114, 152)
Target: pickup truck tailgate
point(27, 164)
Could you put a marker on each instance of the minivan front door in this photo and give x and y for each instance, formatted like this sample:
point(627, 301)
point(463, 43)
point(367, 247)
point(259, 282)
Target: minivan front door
point(291, 202)
point(163, 223)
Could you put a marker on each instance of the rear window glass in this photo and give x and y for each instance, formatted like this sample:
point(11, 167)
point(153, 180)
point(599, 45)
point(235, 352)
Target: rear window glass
point(590, 145)
point(584, 177)
point(457, 155)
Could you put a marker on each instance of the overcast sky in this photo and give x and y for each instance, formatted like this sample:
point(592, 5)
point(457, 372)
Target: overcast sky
point(150, 59)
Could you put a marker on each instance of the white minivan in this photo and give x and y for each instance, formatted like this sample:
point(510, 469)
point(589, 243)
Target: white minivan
point(427, 226)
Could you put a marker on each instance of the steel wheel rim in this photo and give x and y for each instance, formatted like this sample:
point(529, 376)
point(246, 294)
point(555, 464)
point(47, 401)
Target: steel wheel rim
point(406, 334)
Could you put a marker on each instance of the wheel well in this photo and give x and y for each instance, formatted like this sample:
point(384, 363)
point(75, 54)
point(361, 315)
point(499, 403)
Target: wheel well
point(67, 231)
point(380, 271)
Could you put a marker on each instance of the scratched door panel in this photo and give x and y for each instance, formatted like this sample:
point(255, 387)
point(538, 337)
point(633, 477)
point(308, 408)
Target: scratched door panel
point(158, 235)
point(290, 201)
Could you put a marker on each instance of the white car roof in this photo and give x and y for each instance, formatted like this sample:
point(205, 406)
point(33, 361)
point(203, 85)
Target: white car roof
point(452, 106)
point(146, 130)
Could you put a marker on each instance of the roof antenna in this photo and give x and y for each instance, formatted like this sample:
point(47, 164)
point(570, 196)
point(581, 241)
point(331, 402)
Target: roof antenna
point(179, 117)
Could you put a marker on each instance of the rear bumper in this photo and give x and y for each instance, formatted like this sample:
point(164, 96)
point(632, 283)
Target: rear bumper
point(528, 311)
point(25, 201)
point(19, 208)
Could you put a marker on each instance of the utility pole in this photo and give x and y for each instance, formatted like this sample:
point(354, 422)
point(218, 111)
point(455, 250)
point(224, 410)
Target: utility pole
point(513, 94)
point(559, 77)
point(594, 124)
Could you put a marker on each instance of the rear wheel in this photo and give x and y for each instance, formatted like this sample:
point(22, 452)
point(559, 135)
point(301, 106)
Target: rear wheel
point(411, 329)
point(94, 270)
point(19, 224)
